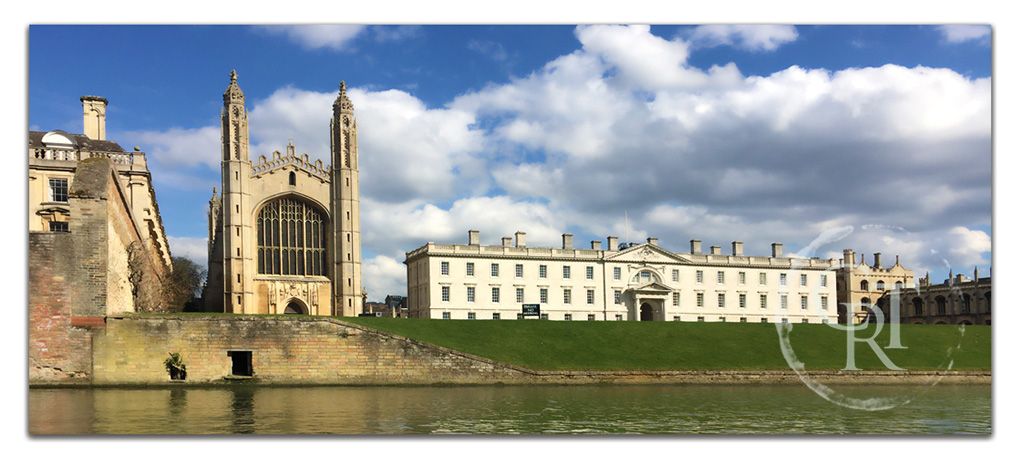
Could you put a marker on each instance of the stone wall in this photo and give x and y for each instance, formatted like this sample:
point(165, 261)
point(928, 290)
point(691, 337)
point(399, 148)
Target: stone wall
point(105, 265)
point(285, 350)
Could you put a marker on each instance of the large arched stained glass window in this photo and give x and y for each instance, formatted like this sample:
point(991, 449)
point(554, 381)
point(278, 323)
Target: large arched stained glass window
point(291, 239)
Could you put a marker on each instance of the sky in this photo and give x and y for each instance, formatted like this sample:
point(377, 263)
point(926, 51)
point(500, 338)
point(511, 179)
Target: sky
point(876, 138)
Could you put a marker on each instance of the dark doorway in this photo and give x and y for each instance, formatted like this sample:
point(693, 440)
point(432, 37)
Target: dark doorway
point(241, 363)
point(295, 307)
point(646, 312)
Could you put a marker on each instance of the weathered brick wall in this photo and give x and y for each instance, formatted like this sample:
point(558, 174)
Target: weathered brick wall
point(284, 350)
point(78, 278)
point(57, 351)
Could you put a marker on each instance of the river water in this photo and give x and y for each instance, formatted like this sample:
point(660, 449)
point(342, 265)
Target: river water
point(683, 409)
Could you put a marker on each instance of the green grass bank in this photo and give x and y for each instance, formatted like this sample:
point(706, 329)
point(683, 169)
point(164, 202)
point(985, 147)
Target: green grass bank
point(627, 345)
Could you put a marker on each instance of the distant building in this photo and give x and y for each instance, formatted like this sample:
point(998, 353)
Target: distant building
point(392, 307)
point(641, 282)
point(957, 300)
point(861, 286)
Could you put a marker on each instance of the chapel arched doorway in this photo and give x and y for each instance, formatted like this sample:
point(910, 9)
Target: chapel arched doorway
point(296, 307)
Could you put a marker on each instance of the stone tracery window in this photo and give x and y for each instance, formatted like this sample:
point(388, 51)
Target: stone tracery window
point(291, 239)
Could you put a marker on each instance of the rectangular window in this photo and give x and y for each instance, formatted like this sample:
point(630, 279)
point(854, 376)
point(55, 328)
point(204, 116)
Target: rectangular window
point(700, 299)
point(470, 294)
point(445, 294)
point(743, 300)
point(721, 276)
point(519, 316)
point(567, 317)
point(543, 271)
point(566, 272)
point(59, 190)
point(803, 320)
point(59, 227)
point(721, 299)
point(495, 316)
point(803, 280)
point(470, 269)
point(618, 317)
point(519, 270)
point(444, 268)
point(543, 295)
point(519, 295)
point(591, 317)
point(567, 296)
point(446, 315)
point(764, 301)
point(675, 298)
point(721, 319)
point(784, 301)
point(494, 269)
point(803, 302)
point(764, 320)
point(471, 316)
point(495, 294)
point(590, 273)
point(543, 316)
point(618, 296)
point(824, 280)
point(676, 318)
point(700, 276)
point(824, 303)
point(700, 318)
point(743, 319)
point(782, 279)
point(675, 275)
point(762, 278)
point(590, 296)
point(743, 278)
point(617, 273)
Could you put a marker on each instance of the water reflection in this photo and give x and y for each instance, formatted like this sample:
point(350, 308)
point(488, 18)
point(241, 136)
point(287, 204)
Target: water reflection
point(499, 410)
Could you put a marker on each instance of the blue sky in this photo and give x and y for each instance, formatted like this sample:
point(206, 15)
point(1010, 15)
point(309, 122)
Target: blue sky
point(759, 134)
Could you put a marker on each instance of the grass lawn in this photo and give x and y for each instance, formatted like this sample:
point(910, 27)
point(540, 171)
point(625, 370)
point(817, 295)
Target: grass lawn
point(631, 345)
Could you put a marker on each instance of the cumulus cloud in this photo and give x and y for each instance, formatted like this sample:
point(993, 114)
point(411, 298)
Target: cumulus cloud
point(962, 33)
point(747, 37)
point(177, 156)
point(333, 37)
point(625, 124)
point(193, 248)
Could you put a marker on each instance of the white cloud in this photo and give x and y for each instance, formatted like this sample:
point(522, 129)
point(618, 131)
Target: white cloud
point(383, 275)
point(334, 37)
point(964, 33)
point(747, 37)
point(177, 155)
point(193, 248)
point(969, 245)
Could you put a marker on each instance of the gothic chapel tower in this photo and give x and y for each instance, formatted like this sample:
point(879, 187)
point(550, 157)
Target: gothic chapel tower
point(236, 201)
point(347, 271)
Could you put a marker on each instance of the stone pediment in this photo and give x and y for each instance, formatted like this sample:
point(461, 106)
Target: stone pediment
point(653, 287)
point(647, 253)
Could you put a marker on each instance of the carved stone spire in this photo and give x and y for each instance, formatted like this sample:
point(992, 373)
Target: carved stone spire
point(342, 103)
point(234, 94)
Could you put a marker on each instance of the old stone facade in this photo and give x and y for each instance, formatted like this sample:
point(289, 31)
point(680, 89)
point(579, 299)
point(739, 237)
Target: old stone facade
point(957, 300)
point(284, 232)
point(859, 286)
point(640, 282)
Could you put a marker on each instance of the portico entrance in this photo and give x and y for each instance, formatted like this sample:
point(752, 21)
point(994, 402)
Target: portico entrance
point(647, 302)
point(646, 312)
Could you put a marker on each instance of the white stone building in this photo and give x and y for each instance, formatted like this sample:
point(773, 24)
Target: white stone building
point(639, 282)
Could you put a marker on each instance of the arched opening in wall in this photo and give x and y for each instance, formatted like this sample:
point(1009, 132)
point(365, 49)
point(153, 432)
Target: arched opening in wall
point(880, 285)
point(296, 307)
point(899, 285)
point(646, 312)
point(291, 238)
point(864, 285)
point(988, 302)
point(291, 178)
point(965, 304)
point(940, 305)
point(918, 306)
